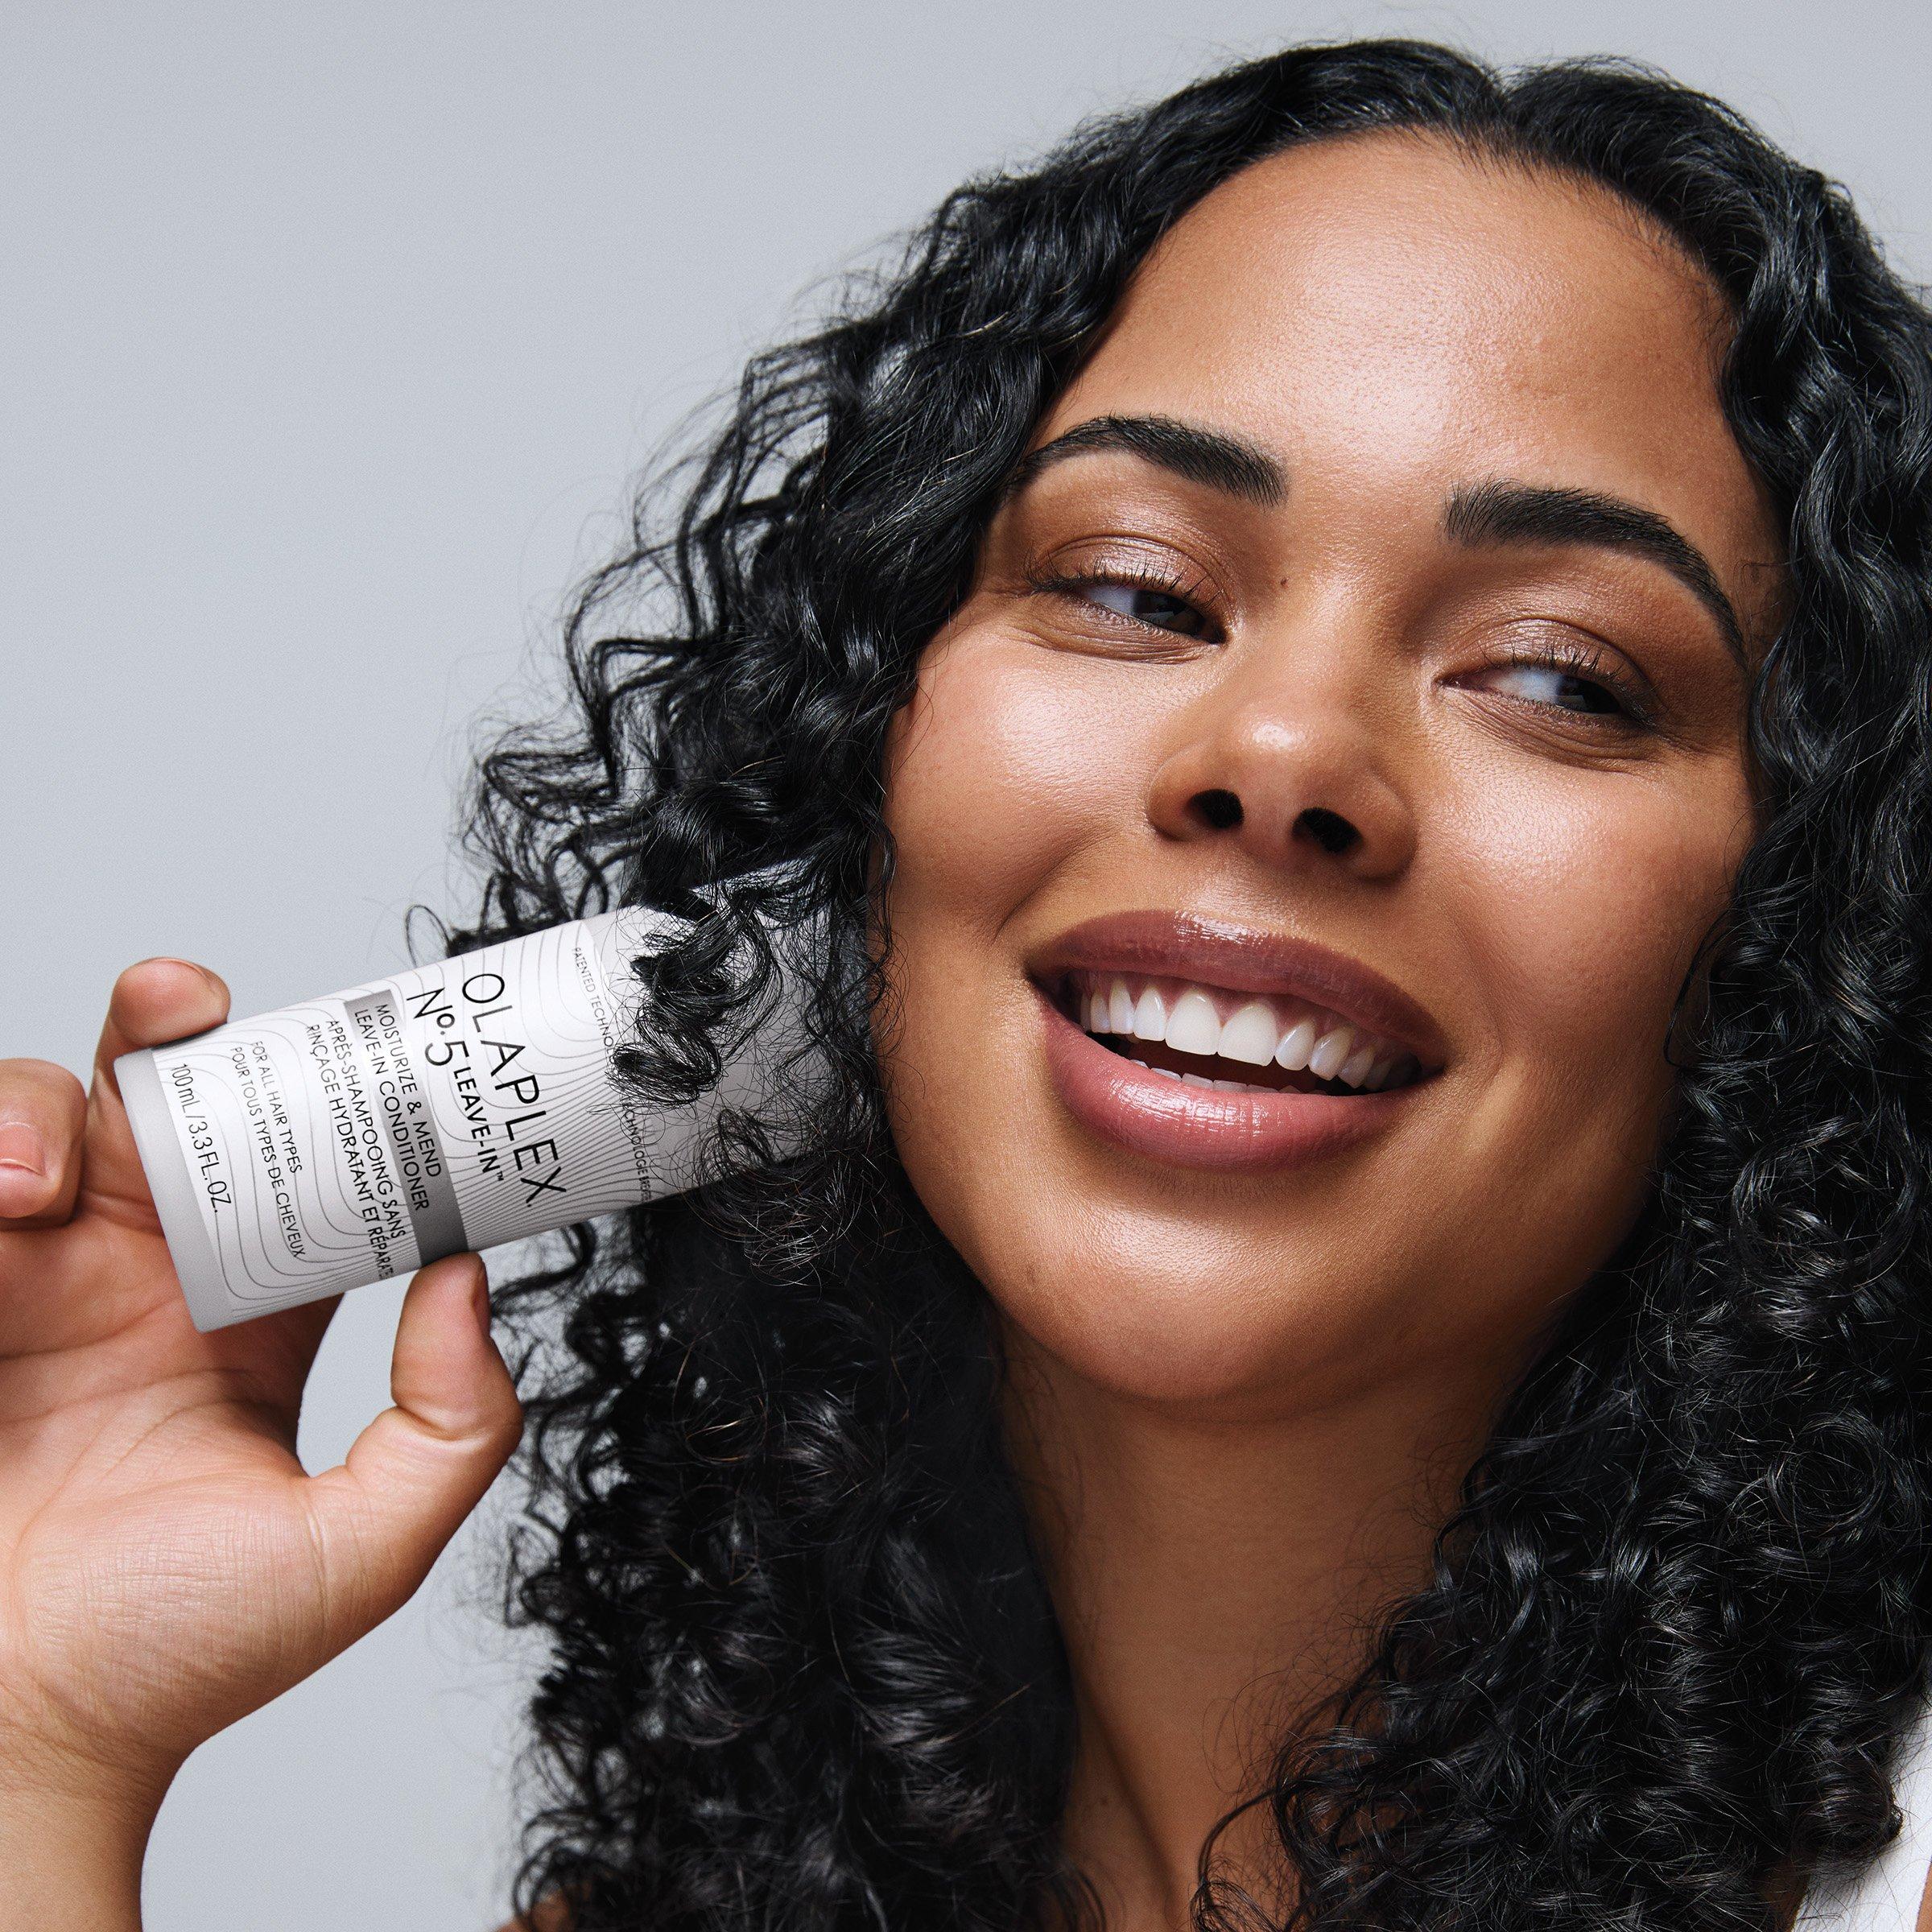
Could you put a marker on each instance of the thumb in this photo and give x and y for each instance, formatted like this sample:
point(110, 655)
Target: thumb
point(411, 1477)
point(158, 1001)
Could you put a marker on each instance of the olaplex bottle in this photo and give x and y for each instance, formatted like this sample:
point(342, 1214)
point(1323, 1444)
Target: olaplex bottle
point(356, 1137)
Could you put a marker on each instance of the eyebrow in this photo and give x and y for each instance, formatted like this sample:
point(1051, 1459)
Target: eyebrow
point(1530, 513)
point(1498, 512)
point(1229, 464)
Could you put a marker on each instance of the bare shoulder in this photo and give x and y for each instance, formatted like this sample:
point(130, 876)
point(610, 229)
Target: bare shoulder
point(551, 1916)
point(1923, 1922)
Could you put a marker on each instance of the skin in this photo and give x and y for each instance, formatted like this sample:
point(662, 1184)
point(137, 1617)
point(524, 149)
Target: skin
point(1239, 1402)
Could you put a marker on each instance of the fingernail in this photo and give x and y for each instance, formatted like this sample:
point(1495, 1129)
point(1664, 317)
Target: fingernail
point(480, 1298)
point(173, 959)
point(22, 1168)
point(22, 1146)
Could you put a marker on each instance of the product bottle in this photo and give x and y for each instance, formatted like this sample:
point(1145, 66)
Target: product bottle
point(357, 1136)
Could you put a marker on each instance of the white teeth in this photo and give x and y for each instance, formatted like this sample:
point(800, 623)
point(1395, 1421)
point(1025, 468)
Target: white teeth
point(1194, 1026)
point(1355, 1069)
point(1330, 1052)
point(1201, 1079)
point(1249, 1035)
point(1297, 1043)
point(1197, 1079)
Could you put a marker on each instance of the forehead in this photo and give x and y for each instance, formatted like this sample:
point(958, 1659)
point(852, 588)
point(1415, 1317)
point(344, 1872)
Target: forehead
point(1394, 316)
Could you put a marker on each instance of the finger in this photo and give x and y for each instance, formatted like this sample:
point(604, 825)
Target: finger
point(152, 1003)
point(413, 1475)
point(42, 1112)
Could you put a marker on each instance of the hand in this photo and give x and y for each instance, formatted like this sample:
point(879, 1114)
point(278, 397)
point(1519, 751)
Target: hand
point(165, 1566)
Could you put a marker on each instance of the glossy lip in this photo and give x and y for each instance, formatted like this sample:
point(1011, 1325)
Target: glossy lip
point(1203, 1127)
point(1243, 959)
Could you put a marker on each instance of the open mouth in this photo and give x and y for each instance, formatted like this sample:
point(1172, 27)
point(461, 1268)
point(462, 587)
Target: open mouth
point(1207, 1036)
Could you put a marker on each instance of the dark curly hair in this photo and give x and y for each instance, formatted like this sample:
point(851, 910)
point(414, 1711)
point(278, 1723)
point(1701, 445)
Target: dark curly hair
point(804, 1674)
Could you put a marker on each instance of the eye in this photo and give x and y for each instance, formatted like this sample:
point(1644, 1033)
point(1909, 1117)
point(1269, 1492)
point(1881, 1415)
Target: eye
point(1548, 684)
point(1147, 604)
point(1572, 675)
point(1145, 595)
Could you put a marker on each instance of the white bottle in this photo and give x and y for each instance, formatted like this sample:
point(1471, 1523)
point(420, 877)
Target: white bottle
point(357, 1136)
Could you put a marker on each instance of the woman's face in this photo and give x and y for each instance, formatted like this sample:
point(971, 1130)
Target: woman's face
point(1351, 711)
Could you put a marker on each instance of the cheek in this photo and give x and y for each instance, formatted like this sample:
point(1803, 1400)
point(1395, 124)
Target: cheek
point(1012, 769)
point(1577, 906)
point(1007, 759)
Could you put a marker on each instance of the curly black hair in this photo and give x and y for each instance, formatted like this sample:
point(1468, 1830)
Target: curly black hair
point(803, 1673)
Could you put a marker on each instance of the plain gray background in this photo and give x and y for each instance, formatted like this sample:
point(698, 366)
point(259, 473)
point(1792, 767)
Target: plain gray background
point(330, 337)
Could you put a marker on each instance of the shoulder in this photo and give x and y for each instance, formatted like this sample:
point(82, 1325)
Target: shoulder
point(1923, 1922)
point(551, 1916)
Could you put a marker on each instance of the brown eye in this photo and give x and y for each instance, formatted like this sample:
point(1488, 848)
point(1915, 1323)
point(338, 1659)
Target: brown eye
point(1569, 675)
point(1566, 690)
point(1146, 605)
point(1149, 598)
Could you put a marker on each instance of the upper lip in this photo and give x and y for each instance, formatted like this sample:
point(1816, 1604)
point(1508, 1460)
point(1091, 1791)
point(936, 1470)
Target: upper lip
point(1244, 959)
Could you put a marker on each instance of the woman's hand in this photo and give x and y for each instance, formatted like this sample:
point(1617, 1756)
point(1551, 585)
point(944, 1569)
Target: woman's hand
point(165, 1566)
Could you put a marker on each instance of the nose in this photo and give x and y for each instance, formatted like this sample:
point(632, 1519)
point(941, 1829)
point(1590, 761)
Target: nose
point(1289, 759)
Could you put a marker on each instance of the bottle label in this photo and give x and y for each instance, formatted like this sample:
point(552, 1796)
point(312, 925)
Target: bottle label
point(351, 1138)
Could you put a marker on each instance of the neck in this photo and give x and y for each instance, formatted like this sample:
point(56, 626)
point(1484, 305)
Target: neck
point(1214, 1580)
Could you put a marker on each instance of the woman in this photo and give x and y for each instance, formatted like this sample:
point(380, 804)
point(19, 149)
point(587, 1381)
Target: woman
point(1349, 659)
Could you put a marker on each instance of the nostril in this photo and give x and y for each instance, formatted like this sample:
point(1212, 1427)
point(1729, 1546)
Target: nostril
point(1329, 829)
point(1220, 809)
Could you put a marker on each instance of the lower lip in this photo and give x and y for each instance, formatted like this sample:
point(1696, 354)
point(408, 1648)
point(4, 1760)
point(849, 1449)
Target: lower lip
point(1191, 1126)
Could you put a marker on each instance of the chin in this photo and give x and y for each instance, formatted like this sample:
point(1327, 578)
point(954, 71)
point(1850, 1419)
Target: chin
point(1206, 1342)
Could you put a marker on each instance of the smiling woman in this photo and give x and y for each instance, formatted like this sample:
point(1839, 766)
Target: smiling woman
point(1347, 661)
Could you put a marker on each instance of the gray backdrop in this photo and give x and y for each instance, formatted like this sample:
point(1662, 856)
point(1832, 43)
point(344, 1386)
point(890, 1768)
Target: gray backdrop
point(330, 337)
